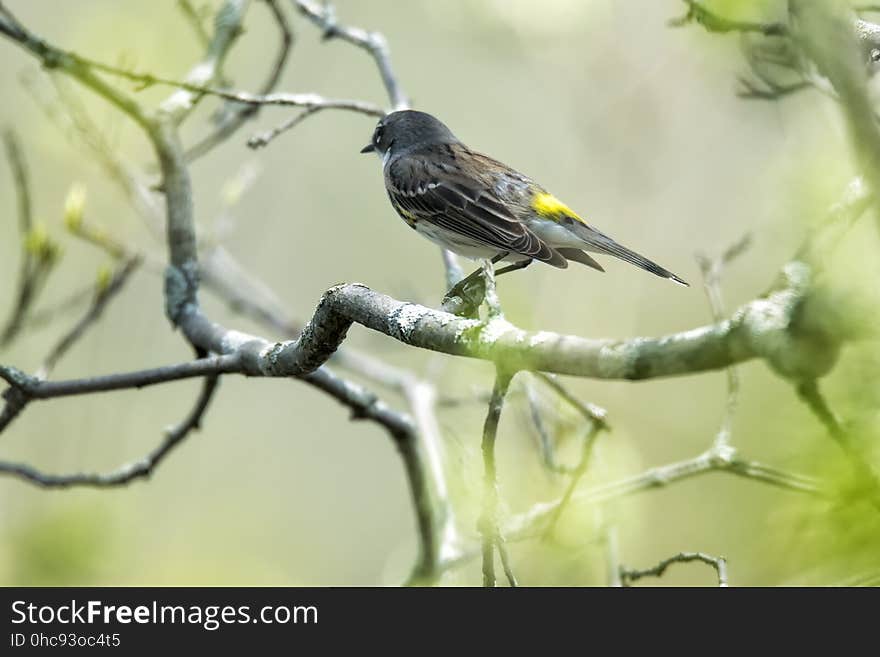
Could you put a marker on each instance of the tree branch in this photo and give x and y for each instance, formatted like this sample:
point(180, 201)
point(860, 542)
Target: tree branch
point(132, 471)
point(227, 28)
point(324, 17)
point(234, 115)
point(35, 388)
point(33, 268)
point(102, 297)
point(534, 522)
point(488, 523)
point(718, 563)
point(768, 328)
point(828, 33)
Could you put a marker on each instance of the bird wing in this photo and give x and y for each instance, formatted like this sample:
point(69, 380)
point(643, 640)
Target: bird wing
point(436, 188)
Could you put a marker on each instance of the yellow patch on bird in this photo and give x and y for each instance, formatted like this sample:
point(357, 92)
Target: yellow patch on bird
point(408, 216)
point(550, 207)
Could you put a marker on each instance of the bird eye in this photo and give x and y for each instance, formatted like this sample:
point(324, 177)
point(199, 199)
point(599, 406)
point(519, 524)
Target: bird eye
point(875, 55)
point(377, 136)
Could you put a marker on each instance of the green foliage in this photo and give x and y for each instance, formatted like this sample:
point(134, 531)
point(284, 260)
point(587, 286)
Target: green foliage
point(67, 545)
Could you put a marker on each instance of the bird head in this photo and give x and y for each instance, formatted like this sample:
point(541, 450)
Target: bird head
point(406, 129)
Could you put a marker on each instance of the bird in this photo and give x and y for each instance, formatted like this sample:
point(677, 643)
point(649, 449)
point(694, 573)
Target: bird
point(480, 208)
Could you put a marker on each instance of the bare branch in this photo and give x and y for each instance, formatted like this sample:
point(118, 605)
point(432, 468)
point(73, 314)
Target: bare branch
point(35, 388)
point(762, 328)
point(545, 440)
point(830, 36)
point(827, 233)
point(576, 476)
point(102, 297)
point(71, 64)
point(132, 471)
point(503, 554)
point(324, 17)
point(712, 270)
point(194, 90)
point(534, 522)
point(192, 16)
point(718, 563)
point(595, 415)
point(612, 555)
point(488, 524)
point(21, 179)
point(227, 28)
point(431, 518)
point(262, 139)
point(596, 421)
point(31, 272)
point(235, 115)
point(453, 270)
point(76, 299)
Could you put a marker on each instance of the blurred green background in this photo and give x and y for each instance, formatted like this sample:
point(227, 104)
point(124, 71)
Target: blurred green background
point(632, 123)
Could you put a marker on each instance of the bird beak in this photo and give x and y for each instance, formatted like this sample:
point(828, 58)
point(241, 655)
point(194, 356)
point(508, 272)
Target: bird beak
point(369, 148)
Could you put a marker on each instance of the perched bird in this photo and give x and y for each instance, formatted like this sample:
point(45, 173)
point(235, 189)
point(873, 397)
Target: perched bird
point(478, 207)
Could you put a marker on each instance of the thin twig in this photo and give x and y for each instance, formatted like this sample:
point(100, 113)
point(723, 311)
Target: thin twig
point(227, 28)
point(591, 412)
point(102, 297)
point(35, 388)
point(501, 544)
point(493, 302)
point(132, 471)
point(195, 21)
point(43, 316)
point(712, 269)
point(488, 524)
point(262, 139)
point(452, 268)
point(612, 555)
point(71, 115)
point(545, 441)
point(718, 563)
point(178, 105)
point(597, 419)
point(431, 518)
point(576, 476)
point(35, 263)
point(324, 17)
point(21, 179)
point(828, 232)
point(533, 522)
point(235, 115)
point(307, 100)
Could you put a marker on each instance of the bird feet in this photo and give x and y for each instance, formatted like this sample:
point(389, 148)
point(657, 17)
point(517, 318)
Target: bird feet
point(464, 298)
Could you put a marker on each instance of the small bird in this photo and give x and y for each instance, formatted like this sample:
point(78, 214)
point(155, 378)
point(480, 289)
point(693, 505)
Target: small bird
point(478, 207)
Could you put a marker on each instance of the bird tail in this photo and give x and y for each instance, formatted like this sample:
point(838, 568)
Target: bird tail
point(600, 243)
